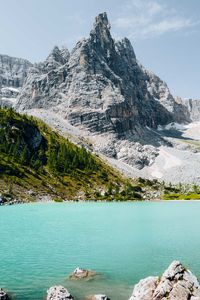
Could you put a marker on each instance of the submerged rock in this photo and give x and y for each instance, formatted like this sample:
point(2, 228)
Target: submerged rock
point(80, 273)
point(58, 293)
point(176, 283)
point(4, 295)
point(98, 297)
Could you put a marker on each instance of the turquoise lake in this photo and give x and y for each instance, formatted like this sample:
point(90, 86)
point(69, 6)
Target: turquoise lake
point(41, 244)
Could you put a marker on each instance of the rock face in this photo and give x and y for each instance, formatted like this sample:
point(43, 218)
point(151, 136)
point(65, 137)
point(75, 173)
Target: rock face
point(193, 106)
point(58, 293)
point(44, 81)
point(100, 86)
point(26, 135)
point(12, 74)
point(176, 283)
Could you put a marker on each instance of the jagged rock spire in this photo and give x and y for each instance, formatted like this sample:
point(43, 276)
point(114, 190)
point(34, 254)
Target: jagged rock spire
point(102, 79)
point(59, 55)
point(102, 19)
point(100, 34)
point(65, 53)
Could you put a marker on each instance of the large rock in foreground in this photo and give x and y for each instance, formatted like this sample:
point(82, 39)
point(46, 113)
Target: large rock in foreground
point(58, 293)
point(176, 283)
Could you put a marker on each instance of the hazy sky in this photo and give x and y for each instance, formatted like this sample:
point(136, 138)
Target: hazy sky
point(165, 33)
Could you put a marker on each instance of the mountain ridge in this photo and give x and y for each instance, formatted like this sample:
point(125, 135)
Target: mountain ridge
point(109, 79)
point(100, 91)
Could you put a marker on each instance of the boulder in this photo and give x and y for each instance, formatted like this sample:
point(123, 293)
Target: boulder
point(176, 283)
point(98, 297)
point(144, 289)
point(4, 295)
point(58, 293)
point(80, 273)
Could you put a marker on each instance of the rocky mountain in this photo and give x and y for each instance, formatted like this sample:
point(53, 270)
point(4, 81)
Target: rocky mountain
point(100, 86)
point(101, 89)
point(99, 95)
point(12, 75)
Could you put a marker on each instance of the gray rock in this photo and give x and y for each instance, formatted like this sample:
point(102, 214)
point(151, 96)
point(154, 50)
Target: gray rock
point(4, 295)
point(175, 283)
point(12, 75)
point(193, 107)
point(98, 297)
point(144, 289)
point(58, 293)
point(100, 86)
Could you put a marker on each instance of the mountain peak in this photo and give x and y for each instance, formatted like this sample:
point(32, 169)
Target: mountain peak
point(102, 20)
point(100, 35)
point(58, 55)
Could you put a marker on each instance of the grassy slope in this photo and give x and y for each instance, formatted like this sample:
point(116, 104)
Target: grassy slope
point(90, 178)
point(96, 181)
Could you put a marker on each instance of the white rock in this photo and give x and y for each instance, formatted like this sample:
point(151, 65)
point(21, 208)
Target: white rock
point(3, 295)
point(98, 297)
point(101, 297)
point(58, 293)
point(175, 268)
point(176, 283)
point(144, 289)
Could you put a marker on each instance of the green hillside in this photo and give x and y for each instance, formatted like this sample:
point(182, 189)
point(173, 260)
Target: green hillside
point(36, 161)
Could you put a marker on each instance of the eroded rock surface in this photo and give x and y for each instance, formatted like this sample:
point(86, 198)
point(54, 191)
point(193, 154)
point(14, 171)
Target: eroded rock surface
point(98, 297)
point(58, 293)
point(100, 86)
point(176, 283)
point(193, 106)
point(103, 90)
point(13, 72)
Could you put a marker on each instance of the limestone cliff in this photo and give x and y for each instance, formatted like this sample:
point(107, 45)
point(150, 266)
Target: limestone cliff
point(12, 74)
point(101, 89)
point(193, 107)
point(100, 86)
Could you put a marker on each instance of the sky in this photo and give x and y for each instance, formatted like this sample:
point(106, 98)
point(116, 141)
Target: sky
point(165, 34)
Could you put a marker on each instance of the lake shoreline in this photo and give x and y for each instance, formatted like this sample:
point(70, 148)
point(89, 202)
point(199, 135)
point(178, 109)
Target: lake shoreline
point(11, 203)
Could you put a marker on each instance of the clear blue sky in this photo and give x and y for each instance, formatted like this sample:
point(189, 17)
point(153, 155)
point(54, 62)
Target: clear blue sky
point(165, 33)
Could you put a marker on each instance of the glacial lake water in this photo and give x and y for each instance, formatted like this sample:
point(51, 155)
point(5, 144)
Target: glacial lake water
point(41, 244)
